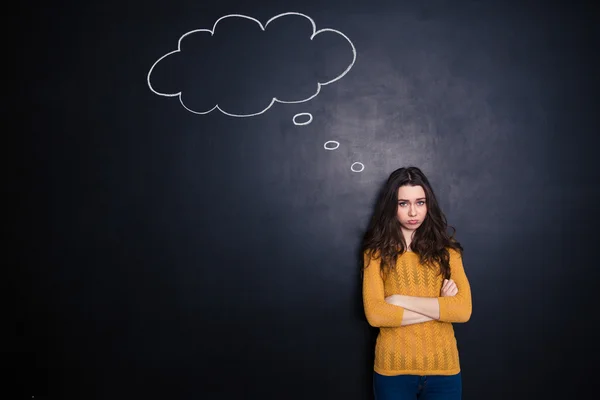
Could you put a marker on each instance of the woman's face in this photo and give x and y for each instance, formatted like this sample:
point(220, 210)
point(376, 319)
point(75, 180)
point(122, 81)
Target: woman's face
point(412, 206)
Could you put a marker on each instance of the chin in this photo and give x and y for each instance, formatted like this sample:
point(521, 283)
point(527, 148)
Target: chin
point(412, 227)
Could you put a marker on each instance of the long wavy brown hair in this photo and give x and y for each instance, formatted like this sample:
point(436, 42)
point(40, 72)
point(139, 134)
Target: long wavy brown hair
point(431, 240)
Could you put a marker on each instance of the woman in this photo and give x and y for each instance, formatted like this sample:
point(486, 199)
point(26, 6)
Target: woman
point(414, 288)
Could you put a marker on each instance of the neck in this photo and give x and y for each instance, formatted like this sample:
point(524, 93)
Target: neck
point(408, 235)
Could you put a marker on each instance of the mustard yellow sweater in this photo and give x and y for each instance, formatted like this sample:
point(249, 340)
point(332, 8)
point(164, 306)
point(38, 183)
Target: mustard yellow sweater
point(427, 348)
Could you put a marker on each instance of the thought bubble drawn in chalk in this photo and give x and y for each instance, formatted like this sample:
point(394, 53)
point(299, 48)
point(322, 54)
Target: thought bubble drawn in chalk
point(273, 100)
point(357, 167)
point(328, 144)
point(308, 121)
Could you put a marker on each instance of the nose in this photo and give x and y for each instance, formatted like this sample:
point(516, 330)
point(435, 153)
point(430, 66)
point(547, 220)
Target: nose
point(412, 211)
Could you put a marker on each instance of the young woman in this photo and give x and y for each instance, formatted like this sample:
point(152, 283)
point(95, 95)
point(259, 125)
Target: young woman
point(414, 288)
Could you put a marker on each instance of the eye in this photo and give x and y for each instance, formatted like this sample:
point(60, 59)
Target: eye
point(421, 203)
point(402, 203)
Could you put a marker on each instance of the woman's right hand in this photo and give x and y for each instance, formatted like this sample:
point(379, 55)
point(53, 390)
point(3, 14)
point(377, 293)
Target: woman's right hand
point(449, 288)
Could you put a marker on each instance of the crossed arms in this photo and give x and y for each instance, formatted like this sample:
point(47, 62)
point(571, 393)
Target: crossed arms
point(452, 305)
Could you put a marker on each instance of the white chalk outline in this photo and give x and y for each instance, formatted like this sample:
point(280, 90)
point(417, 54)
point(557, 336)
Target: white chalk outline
point(302, 115)
point(331, 148)
point(274, 100)
point(361, 164)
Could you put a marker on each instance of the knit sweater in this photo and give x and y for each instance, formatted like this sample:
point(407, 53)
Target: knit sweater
point(427, 348)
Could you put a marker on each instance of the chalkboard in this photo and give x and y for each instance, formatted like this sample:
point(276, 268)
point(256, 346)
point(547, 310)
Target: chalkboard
point(192, 180)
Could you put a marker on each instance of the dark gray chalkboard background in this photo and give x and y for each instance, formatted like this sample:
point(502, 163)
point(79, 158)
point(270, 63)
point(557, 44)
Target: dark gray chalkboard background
point(160, 254)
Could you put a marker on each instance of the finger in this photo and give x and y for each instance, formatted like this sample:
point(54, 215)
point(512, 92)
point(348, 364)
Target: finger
point(445, 285)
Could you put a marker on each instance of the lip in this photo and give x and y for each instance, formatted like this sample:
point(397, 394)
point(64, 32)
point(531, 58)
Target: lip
point(413, 222)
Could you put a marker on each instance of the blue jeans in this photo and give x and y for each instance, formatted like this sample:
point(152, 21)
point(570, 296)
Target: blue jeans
point(413, 387)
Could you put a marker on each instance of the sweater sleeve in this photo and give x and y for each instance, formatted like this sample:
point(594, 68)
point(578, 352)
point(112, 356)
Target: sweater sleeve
point(457, 308)
point(379, 313)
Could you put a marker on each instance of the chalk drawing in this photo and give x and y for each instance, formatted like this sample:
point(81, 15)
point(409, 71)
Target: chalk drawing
point(262, 27)
point(330, 145)
point(305, 114)
point(355, 167)
point(336, 144)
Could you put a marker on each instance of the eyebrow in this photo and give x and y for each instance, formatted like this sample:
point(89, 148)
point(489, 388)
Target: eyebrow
point(421, 198)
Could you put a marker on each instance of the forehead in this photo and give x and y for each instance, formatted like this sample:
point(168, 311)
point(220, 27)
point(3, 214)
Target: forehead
point(411, 192)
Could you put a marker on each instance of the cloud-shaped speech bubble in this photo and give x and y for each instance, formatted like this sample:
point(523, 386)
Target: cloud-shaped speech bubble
point(274, 100)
